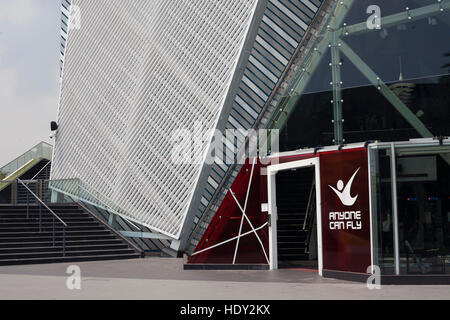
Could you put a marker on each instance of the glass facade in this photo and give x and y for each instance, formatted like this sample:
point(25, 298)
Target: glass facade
point(386, 84)
point(422, 202)
point(394, 82)
point(382, 216)
point(424, 212)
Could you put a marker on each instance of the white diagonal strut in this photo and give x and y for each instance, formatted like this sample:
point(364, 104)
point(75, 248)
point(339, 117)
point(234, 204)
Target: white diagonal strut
point(245, 208)
point(231, 239)
point(251, 225)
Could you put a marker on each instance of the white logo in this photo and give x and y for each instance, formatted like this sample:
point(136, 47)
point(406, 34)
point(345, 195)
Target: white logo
point(344, 193)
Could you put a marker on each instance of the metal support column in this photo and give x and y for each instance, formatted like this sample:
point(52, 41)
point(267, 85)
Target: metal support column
point(112, 220)
point(395, 210)
point(337, 89)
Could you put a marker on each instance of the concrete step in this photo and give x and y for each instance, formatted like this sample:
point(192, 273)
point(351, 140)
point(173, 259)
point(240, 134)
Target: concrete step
point(103, 257)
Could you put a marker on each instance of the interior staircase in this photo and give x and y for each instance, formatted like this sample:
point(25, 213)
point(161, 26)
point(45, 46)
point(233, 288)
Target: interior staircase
point(29, 240)
point(293, 189)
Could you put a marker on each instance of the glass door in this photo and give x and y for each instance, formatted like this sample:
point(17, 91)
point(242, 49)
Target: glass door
point(410, 203)
point(423, 188)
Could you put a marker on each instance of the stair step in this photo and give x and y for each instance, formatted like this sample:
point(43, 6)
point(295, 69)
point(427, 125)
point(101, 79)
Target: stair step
point(288, 238)
point(23, 207)
point(27, 255)
point(290, 257)
point(291, 243)
point(59, 248)
point(45, 212)
point(292, 209)
point(286, 232)
point(288, 224)
point(69, 259)
point(44, 220)
point(105, 236)
point(47, 224)
point(49, 228)
point(48, 233)
point(282, 251)
point(44, 216)
point(30, 244)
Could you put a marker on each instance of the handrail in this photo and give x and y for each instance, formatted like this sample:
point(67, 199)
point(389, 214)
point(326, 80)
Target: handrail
point(41, 170)
point(108, 207)
point(37, 151)
point(34, 195)
point(308, 222)
point(309, 206)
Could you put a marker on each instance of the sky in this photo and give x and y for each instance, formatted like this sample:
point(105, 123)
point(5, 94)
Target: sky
point(29, 73)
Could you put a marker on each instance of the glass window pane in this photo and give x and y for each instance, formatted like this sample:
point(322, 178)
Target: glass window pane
point(383, 241)
point(424, 213)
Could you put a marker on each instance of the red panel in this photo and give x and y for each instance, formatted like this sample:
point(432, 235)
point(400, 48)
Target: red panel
point(346, 250)
point(346, 222)
point(226, 222)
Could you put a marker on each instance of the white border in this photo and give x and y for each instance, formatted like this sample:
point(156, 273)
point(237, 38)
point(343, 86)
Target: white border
point(372, 242)
point(272, 204)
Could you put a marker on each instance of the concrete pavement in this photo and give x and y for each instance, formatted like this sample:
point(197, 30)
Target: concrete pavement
point(164, 278)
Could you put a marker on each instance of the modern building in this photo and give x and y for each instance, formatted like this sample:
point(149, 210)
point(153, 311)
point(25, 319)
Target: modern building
point(161, 103)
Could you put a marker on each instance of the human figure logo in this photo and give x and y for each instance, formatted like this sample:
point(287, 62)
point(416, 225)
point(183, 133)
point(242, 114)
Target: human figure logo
point(344, 193)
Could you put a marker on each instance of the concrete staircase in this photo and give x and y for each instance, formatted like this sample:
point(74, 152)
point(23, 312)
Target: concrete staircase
point(35, 240)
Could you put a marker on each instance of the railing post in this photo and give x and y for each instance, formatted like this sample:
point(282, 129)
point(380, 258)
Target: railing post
point(64, 241)
point(28, 205)
point(53, 230)
point(39, 187)
point(40, 218)
point(14, 192)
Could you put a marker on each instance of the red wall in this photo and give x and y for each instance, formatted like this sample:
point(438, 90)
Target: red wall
point(347, 249)
point(225, 224)
point(345, 239)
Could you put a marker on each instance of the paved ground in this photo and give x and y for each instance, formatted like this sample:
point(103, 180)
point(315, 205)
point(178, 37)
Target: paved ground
point(164, 278)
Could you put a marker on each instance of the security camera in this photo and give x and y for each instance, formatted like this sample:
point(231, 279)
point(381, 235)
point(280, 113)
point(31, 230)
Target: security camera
point(53, 126)
point(52, 135)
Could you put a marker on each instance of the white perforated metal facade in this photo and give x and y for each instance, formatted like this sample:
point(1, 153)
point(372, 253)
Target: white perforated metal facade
point(283, 26)
point(135, 71)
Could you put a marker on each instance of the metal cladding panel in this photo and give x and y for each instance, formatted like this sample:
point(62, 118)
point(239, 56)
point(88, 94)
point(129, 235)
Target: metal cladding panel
point(280, 32)
point(135, 71)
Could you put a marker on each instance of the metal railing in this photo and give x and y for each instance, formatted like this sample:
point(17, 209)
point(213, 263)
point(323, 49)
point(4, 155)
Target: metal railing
point(42, 150)
point(20, 195)
point(55, 216)
point(107, 207)
point(43, 168)
point(85, 193)
point(308, 223)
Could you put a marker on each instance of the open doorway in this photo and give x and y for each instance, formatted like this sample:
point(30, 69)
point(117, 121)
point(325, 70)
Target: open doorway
point(295, 236)
point(296, 225)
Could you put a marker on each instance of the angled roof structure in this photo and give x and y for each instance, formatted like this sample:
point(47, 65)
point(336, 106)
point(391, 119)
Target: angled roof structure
point(134, 72)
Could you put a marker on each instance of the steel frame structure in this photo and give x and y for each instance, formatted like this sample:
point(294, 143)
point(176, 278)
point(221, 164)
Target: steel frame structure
point(331, 37)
